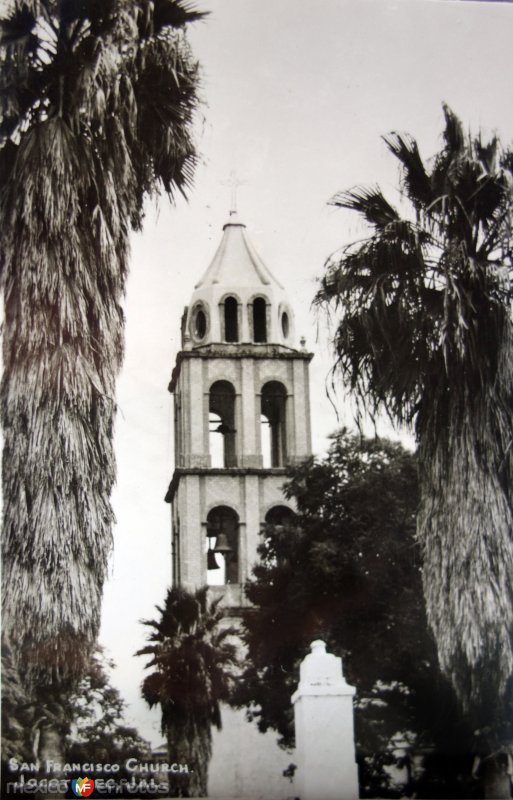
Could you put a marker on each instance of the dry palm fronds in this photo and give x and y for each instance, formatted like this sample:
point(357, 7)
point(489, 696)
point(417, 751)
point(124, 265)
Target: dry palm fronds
point(97, 102)
point(465, 525)
point(425, 333)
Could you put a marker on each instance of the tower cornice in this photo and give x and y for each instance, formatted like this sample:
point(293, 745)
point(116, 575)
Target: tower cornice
point(237, 351)
point(261, 472)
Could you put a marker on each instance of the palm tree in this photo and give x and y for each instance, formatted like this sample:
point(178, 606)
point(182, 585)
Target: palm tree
point(97, 100)
point(424, 331)
point(192, 655)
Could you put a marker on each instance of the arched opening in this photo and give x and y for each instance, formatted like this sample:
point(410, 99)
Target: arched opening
point(222, 546)
point(272, 424)
point(200, 323)
point(231, 320)
point(265, 441)
point(259, 320)
point(285, 325)
point(280, 515)
point(282, 520)
point(221, 425)
point(215, 441)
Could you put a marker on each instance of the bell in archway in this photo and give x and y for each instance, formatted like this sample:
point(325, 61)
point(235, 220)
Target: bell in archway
point(211, 560)
point(222, 545)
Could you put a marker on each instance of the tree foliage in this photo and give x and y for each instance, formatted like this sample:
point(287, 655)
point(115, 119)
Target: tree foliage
point(347, 570)
point(99, 732)
point(193, 656)
point(90, 718)
point(424, 331)
point(96, 102)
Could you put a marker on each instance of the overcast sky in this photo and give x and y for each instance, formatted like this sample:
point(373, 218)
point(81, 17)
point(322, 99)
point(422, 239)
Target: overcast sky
point(297, 94)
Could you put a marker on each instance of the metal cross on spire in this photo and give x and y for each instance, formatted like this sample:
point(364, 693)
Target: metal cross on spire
point(233, 182)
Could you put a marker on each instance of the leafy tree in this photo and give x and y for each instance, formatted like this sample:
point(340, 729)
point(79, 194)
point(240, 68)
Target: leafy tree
point(99, 732)
point(96, 102)
point(16, 711)
point(347, 570)
point(192, 656)
point(94, 732)
point(424, 331)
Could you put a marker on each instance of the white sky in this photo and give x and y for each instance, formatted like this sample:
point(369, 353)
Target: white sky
point(298, 93)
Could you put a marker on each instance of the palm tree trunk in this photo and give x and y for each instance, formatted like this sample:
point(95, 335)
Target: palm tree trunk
point(465, 526)
point(81, 147)
point(51, 749)
point(189, 743)
point(62, 349)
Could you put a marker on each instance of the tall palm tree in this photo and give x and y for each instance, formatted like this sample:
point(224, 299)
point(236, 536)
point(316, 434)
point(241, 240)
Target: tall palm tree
point(97, 99)
point(193, 659)
point(424, 331)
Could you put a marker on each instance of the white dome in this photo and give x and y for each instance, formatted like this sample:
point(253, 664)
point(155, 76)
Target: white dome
point(238, 299)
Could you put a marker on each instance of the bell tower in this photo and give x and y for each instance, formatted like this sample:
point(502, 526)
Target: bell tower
point(241, 415)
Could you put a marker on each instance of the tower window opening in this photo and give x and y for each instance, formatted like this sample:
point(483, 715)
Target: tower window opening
point(282, 520)
point(259, 320)
point(216, 565)
point(221, 424)
point(231, 321)
point(200, 323)
point(222, 546)
point(285, 325)
point(265, 435)
point(280, 515)
point(215, 441)
point(272, 427)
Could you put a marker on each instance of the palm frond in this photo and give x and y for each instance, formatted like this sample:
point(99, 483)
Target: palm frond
point(415, 178)
point(369, 202)
point(453, 135)
point(174, 13)
point(17, 27)
point(191, 651)
point(193, 663)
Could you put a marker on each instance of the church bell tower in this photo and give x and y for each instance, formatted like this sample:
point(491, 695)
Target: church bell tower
point(241, 415)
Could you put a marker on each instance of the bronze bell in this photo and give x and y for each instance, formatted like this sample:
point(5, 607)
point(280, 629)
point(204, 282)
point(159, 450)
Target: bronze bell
point(222, 545)
point(211, 560)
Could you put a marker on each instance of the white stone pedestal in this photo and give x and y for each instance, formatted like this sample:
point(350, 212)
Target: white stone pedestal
point(323, 712)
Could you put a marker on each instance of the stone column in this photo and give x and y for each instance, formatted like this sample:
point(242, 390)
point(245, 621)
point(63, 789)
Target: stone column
point(323, 713)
